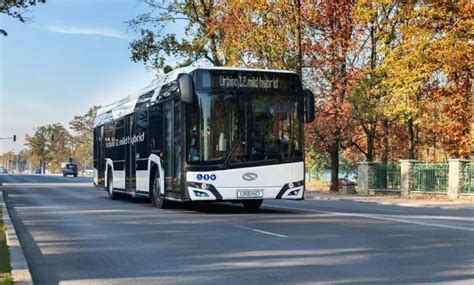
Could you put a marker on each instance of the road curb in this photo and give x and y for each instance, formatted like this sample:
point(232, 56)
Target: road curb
point(20, 270)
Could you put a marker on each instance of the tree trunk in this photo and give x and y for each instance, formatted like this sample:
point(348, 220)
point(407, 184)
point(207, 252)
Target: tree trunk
point(411, 139)
point(334, 154)
point(370, 145)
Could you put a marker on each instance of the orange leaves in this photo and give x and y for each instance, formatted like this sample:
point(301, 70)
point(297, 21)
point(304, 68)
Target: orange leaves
point(257, 33)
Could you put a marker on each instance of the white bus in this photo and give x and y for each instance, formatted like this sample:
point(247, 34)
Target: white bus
point(206, 134)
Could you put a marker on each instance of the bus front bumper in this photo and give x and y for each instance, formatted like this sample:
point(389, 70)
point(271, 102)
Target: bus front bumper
point(207, 192)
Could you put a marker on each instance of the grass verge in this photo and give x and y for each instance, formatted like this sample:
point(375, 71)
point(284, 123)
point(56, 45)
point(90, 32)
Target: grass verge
point(5, 267)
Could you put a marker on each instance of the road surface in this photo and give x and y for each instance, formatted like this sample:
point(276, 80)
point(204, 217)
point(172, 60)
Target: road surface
point(73, 234)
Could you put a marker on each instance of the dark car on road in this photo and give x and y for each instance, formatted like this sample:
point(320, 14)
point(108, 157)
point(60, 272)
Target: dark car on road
point(70, 169)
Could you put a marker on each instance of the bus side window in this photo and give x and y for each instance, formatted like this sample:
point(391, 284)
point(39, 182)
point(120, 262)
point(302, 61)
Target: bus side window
point(155, 128)
point(141, 131)
point(119, 149)
point(109, 139)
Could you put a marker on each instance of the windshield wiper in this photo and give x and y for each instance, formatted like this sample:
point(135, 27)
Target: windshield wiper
point(233, 149)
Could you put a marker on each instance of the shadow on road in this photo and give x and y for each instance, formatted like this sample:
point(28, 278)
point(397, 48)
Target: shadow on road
point(214, 208)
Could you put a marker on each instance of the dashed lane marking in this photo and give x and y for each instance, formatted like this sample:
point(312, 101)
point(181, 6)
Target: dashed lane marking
point(260, 231)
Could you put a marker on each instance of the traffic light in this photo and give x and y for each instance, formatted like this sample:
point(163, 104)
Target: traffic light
point(14, 138)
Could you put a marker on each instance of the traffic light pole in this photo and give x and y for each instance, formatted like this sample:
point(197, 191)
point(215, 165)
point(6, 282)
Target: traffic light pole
point(10, 138)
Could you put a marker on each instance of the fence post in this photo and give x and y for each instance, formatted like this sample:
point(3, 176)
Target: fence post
point(407, 179)
point(455, 177)
point(365, 177)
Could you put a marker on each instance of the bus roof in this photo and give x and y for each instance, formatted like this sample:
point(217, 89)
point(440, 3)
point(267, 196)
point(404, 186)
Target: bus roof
point(128, 104)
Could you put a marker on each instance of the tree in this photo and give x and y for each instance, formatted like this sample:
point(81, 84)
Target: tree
point(51, 145)
point(332, 53)
point(83, 127)
point(258, 33)
point(433, 58)
point(315, 163)
point(156, 43)
point(378, 22)
point(16, 9)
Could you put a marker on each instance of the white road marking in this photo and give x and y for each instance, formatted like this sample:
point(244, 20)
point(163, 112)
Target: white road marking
point(379, 217)
point(260, 231)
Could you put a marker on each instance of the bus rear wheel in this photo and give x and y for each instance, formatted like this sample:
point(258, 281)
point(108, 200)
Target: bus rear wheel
point(110, 186)
point(156, 199)
point(252, 205)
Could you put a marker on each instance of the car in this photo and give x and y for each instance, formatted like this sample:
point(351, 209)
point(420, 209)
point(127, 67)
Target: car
point(70, 169)
point(38, 170)
point(3, 170)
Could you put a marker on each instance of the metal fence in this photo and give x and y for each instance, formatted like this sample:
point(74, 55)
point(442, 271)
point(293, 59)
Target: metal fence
point(386, 176)
point(431, 177)
point(468, 170)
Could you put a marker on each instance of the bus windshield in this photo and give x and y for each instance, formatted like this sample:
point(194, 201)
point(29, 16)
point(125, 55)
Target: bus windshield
point(239, 126)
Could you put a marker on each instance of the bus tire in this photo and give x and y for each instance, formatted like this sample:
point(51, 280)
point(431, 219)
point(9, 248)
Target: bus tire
point(252, 205)
point(110, 186)
point(156, 199)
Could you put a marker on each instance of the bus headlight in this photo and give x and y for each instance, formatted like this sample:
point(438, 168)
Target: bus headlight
point(200, 193)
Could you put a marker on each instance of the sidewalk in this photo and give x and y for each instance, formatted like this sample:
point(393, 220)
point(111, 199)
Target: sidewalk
point(395, 200)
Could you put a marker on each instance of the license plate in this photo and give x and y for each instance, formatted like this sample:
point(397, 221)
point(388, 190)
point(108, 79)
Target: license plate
point(250, 194)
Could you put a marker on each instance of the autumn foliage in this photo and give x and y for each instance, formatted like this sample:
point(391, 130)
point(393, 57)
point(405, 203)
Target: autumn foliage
point(393, 79)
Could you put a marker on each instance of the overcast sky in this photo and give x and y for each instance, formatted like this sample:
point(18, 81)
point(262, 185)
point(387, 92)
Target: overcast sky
point(72, 55)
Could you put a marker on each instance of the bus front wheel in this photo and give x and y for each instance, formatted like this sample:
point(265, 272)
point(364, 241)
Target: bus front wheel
point(252, 205)
point(110, 186)
point(156, 199)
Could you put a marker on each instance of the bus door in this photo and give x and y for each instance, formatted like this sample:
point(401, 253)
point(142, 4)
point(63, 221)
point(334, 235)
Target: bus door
point(172, 146)
point(101, 169)
point(130, 151)
point(99, 156)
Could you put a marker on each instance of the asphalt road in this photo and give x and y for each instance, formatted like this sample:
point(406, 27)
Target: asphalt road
point(73, 234)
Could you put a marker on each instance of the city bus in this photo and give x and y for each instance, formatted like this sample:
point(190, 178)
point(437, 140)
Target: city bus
point(206, 134)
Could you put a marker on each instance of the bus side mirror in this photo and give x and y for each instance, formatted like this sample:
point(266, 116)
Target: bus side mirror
point(186, 87)
point(309, 106)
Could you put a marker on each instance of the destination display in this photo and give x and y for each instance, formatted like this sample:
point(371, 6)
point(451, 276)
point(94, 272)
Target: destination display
point(264, 81)
point(242, 81)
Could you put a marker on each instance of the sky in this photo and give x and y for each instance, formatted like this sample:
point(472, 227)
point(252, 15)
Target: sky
point(72, 55)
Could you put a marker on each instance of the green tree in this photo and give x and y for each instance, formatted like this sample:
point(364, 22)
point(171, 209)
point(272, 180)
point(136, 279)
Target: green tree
point(83, 127)
point(315, 163)
point(157, 43)
point(51, 145)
